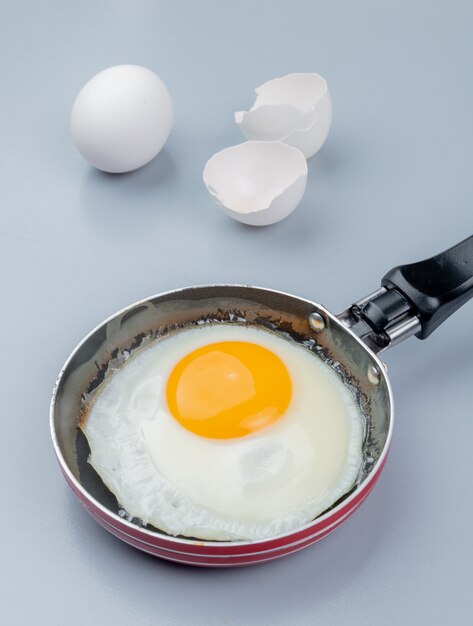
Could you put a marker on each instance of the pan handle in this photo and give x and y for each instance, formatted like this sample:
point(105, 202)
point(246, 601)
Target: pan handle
point(414, 299)
point(436, 287)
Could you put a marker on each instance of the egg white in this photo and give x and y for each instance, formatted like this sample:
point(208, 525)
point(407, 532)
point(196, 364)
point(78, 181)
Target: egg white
point(251, 487)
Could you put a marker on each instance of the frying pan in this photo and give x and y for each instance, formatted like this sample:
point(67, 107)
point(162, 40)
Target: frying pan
point(412, 300)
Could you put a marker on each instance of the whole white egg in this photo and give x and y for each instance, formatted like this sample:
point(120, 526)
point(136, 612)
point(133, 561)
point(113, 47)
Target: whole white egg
point(121, 118)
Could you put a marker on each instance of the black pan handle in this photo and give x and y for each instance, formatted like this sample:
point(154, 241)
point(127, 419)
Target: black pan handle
point(437, 287)
point(414, 299)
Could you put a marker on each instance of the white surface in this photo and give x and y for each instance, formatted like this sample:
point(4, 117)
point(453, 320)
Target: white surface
point(391, 185)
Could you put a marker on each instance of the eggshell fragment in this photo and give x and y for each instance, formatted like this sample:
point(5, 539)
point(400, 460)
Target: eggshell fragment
point(121, 118)
point(295, 109)
point(257, 182)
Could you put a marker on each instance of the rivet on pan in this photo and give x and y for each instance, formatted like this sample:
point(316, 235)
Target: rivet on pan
point(316, 321)
point(373, 375)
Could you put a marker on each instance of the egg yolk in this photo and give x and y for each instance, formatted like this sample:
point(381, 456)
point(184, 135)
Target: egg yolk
point(228, 389)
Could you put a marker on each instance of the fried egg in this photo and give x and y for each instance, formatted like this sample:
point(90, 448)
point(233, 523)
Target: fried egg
point(225, 432)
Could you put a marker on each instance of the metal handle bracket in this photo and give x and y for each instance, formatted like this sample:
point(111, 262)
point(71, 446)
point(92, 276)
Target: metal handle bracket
point(382, 319)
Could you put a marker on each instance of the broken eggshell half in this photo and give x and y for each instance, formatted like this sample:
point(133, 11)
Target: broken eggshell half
point(257, 182)
point(295, 109)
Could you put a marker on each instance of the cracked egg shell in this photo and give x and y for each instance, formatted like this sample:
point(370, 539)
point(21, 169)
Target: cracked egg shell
point(257, 182)
point(295, 109)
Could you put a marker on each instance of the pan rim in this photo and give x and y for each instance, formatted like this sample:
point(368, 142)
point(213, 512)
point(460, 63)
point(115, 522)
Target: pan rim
point(205, 542)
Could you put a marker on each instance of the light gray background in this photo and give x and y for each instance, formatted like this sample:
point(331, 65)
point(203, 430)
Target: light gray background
point(393, 184)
